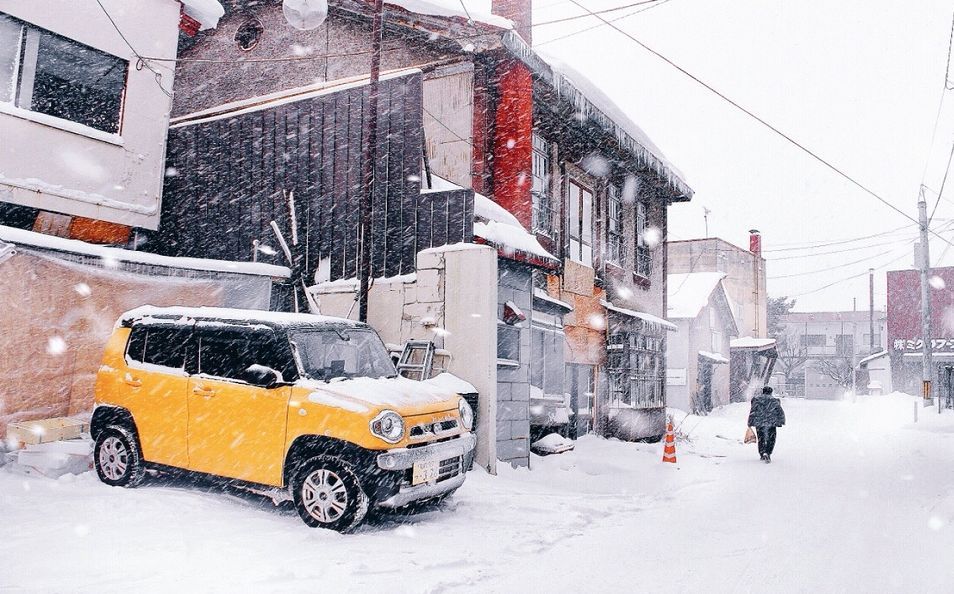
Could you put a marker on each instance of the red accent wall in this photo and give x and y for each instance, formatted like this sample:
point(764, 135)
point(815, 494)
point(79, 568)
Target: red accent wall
point(518, 11)
point(513, 140)
point(904, 305)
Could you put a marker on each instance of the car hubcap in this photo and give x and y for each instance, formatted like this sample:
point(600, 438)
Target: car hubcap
point(324, 495)
point(113, 458)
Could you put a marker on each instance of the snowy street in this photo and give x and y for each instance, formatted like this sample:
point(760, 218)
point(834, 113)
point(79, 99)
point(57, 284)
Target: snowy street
point(857, 499)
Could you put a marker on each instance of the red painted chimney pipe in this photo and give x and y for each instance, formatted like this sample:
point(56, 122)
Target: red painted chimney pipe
point(755, 242)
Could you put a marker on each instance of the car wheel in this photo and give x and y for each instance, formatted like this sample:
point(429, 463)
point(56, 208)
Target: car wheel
point(328, 494)
point(117, 458)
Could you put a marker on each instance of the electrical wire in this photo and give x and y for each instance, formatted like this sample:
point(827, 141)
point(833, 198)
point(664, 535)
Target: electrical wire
point(762, 121)
point(598, 25)
point(848, 278)
point(141, 62)
point(832, 252)
point(944, 89)
point(603, 11)
point(809, 246)
point(830, 268)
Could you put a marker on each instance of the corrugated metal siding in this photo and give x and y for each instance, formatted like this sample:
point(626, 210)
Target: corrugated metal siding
point(232, 176)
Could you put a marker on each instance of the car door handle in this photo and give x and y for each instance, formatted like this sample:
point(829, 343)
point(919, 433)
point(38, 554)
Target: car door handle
point(132, 381)
point(202, 391)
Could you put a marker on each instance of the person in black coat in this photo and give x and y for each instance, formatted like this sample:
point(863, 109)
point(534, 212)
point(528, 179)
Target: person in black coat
point(766, 415)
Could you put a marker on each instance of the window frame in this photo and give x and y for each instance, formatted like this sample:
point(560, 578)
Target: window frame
point(194, 363)
point(516, 330)
point(642, 257)
point(140, 363)
point(614, 225)
point(14, 106)
point(578, 215)
point(541, 196)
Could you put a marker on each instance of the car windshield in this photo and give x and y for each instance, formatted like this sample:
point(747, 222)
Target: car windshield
point(341, 353)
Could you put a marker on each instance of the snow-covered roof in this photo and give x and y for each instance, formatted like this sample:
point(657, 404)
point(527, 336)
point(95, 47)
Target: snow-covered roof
point(495, 225)
point(688, 293)
point(714, 357)
point(279, 318)
point(747, 342)
point(542, 295)
point(114, 255)
point(270, 100)
point(595, 105)
point(871, 358)
point(451, 8)
point(640, 315)
point(206, 12)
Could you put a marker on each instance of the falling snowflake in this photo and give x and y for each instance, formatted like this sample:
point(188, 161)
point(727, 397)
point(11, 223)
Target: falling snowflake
point(937, 282)
point(82, 289)
point(56, 346)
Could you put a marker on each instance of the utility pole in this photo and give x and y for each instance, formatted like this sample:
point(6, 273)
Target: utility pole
point(854, 351)
point(927, 363)
point(370, 154)
point(705, 217)
point(871, 327)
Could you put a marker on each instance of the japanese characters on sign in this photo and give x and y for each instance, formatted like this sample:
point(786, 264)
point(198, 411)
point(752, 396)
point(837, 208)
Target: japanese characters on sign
point(916, 344)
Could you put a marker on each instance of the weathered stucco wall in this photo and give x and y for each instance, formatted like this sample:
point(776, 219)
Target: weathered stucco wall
point(58, 315)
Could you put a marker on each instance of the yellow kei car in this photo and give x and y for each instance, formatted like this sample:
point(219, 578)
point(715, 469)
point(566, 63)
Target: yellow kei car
point(306, 403)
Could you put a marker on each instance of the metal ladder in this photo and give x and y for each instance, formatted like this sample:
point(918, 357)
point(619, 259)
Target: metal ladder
point(422, 369)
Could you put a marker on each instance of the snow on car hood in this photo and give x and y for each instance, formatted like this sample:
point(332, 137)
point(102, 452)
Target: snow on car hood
point(364, 394)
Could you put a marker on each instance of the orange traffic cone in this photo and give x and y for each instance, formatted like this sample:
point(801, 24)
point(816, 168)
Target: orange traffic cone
point(669, 452)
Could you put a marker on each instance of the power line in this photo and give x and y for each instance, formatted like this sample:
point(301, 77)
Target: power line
point(603, 11)
point(832, 252)
point(944, 89)
point(800, 247)
point(848, 278)
point(830, 268)
point(598, 25)
point(752, 115)
point(141, 62)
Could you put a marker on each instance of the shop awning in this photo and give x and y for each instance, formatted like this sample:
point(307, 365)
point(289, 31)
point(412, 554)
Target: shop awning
point(713, 358)
point(639, 315)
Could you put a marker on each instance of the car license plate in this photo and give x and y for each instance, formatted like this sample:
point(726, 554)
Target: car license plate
point(425, 471)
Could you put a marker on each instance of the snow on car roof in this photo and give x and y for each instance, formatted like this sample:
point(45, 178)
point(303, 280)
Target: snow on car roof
point(273, 318)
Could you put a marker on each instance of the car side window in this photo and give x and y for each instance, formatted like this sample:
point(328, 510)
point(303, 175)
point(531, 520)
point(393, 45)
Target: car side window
point(159, 345)
point(229, 353)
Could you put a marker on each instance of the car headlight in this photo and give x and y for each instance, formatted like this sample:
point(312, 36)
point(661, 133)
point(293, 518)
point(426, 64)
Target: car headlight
point(466, 414)
point(389, 426)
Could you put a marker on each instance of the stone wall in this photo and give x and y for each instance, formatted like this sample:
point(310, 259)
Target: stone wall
point(513, 380)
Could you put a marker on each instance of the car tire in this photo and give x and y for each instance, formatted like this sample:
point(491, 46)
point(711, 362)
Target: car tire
point(328, 494)
point(117, 458)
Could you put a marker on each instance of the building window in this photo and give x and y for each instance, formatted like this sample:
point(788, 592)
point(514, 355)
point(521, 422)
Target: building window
point(813, 340)
point(542, 199)
point(614, 227)
point(508, 343)
point(581, 224)
point(52, 75)
point(844, 344)
point(644, 257)
point(636, 369)
point(547, 360)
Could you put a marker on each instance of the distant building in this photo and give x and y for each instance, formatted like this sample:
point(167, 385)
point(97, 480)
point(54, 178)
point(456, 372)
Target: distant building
point(744, 276)
point(697, 355)
point(904, 335)
point(819, 350)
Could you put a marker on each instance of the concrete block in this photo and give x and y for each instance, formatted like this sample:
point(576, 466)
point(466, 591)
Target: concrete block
point(503, 392)
point(503, 430)
point(513, 411)
point(429, 260)
point(514, 451)
point(520, 392)
point(513, 374)
point(520, 429)
point(522, 298)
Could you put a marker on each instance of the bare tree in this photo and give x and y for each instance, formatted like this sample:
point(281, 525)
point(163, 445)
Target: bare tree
point(792, 356)
point(837, 368)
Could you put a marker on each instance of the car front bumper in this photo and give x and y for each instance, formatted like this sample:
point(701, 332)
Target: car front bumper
point(458, 452)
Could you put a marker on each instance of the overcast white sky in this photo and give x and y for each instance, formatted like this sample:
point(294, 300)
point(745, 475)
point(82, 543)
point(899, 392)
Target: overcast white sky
point(858, 82)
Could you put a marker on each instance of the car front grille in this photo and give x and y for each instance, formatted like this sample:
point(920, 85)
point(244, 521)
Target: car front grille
point(449, 468)
point(435, 428)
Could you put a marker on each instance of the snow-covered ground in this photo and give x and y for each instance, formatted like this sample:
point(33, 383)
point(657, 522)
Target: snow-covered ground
point(858, 499)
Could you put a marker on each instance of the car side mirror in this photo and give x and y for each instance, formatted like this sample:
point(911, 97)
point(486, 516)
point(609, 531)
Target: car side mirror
point(262, 376)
